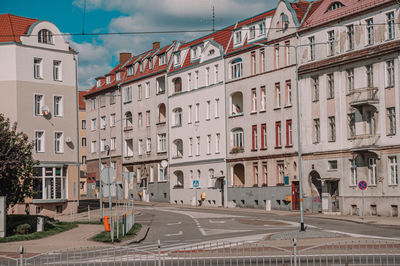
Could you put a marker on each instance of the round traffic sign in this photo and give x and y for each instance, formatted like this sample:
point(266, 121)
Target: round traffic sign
point(362, 185)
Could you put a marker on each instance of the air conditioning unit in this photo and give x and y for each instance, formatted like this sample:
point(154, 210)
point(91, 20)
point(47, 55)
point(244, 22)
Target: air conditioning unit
point(45, 110)
point(68, 139)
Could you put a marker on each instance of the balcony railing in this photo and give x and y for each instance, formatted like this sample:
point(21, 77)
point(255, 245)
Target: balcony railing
point(364, 96)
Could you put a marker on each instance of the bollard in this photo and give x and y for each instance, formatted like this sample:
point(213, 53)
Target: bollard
point(21, 255)
point(159, 253)
point(118, 227)
point(294, 251)
point(88, 212)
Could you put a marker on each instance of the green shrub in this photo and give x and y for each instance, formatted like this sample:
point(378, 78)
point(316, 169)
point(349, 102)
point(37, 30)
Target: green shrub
point(14, 220)
point(23, 229)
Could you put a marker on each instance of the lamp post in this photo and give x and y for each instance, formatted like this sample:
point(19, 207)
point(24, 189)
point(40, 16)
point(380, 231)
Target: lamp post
point(108, 149)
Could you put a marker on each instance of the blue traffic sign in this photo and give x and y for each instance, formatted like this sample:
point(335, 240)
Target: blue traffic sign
point(362, 185)
point(196, 183)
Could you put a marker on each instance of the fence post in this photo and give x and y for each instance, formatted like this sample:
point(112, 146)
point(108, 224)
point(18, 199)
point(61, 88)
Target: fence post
point(88, 212)
point(159, 253)
point(294, 251)
point(21, 255)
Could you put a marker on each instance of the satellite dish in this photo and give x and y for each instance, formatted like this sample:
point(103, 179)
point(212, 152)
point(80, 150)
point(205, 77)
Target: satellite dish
point(164, 164)
point(68, 139)
point(45, 110)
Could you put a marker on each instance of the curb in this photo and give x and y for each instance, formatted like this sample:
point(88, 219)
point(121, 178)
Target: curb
point(357, 222)
point(139, 237)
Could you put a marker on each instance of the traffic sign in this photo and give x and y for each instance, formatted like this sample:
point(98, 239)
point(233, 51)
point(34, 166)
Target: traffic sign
point(104, 175)
point(196, 183)
point(362, 185)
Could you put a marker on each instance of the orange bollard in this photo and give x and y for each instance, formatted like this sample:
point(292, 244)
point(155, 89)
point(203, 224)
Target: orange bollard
point(106, 221)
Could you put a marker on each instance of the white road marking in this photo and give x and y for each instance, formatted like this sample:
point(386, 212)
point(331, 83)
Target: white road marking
point(175, 223)
point(216, 222)
point(364, 236)
point(177, 234)
point(296, 224)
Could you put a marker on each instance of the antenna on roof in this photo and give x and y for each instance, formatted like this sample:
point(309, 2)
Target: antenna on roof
point(84, 15)
point(213, 18)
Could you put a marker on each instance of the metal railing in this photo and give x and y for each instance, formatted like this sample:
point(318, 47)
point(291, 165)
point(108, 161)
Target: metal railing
point(349, 252)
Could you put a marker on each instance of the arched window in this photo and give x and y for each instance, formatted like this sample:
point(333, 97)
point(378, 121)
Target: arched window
point(236, 68)
point(177, 85)
point(161, 113)
point(177, 117)
point(284, 21)
point(236, 103)
point(128, 120)
point(178, 148)
point(45, 36)
point(180, 180)
point(237, 139)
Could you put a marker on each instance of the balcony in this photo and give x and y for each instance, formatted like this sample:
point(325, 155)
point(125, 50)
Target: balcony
point(364, 96)
point(365, 142)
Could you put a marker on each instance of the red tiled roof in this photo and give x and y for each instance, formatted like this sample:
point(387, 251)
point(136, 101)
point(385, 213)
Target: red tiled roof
point(300, 8)
point(320, 15)
point(12, 27)
point(82, 104)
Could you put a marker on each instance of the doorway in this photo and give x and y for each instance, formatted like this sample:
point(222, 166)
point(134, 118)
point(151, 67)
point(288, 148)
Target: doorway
point(295, 196)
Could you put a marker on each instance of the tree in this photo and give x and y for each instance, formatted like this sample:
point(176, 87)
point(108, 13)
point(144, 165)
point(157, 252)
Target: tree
point(16, 163)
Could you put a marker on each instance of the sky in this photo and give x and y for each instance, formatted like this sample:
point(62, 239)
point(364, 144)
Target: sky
point(99, 53)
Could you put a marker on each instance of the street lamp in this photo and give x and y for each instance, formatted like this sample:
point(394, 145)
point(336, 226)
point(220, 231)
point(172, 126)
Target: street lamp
point(108, 149)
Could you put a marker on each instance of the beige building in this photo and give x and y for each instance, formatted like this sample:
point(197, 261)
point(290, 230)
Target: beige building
point(83, 184)
point(38, 84)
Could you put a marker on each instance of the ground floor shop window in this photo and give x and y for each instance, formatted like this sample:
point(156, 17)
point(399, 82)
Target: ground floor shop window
point(50, 182)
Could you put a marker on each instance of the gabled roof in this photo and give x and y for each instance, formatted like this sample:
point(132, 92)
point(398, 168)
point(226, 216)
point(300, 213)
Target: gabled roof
point(300, 8)
point(320, 15)
point(82, 104)
point(12, 27)
point(104, 86)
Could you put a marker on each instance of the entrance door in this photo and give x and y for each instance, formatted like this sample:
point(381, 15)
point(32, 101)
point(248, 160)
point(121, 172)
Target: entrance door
point(333, 190)
point(295, 195)
point(221, 180)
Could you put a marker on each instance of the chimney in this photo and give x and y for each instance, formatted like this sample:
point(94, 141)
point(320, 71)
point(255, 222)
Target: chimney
point(156, 45)
point(123, 57)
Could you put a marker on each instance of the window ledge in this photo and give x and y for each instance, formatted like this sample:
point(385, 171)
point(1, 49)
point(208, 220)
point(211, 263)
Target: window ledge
point(277, 108)
point(332, 170)
point(236, 115)
point(391, 135)
point(254, 150)
point(389, 87)
point(161, 123)
point(127, 101)
point(263, 149)
point(128, 128)
point(262, 111)
point(177, 157)
point(175, 126)
point(278, 147)
point(161, 152)
point(208, 119)
point(331, 141)
point(288, 106)
point(216, 117)
point(316, 142)
point(315, 101)
point(393, 185)
point(289, 146)
point(162, 181)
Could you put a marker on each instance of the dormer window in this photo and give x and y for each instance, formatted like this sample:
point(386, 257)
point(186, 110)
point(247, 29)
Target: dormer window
point(163, 59)
point(130, 70)
point(211, 52)
point(335, 5)
point(177, 58)
point(98, 83)
point(151, 63)
point(118, 76)
point(108, 79)
point(238, 37)
point(261, 28)
point(45, 36)
point(195, 52)
point(252, 33)
point(141, 66)
point(285, 22)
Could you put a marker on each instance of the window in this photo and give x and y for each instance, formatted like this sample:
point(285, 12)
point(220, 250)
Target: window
point(162, 142)
point(139, 92)
point(288, 93)
point(128, 147)
point(128, 121)
point(253, 63)
point(147, 90)
point(332, 165)
point(39, 141)
point(265, 173)
point(94, 103)
point(147, 118)
point(331, 43)
point(197, 146)
point(216, 115)
point(50, 183)
point(98, 83)
point(261, 28)
point(208, 144)
point(163, 59)
point(255, 173)
point(162, 113)
point(108, 79)
point(93, 125)
point(237, 138)
point(197, 113)
point(141, 66)
point(113, 120)
point(83, 142)
point(393, 176)
point(316, 131)
point(353, 168)
point(160, 84)
point(103, 122)
point(45, 36)
point(350, 79)
point(102, 101)
point(177, 117)
point(196, 79)
point(236, 68)
point(103, 145)
point(263, 99)
point(289, 133)
point(127, 94)
point(59, 142)
point(262, 60)
point(371, 123)
point(211, 178)
point(177, 59)
point(189, 80)
point(113, 141)
point(130, 71)
point(253, 100)
point(217, 142)
point(112, 97)
point(254, 137)
point(370, 31)
point(311, 41)
point(190, 152)
point(151, 174)
point(84, 160)
point(390, 25)
point(335, 5)
point(332, 129)
point(370, 75)
point(352, 124)
point(276, 56)
point(207, 76)
point(57, 70)
point(277, 95)
point(350, 37)
point(331, 86)
point(252, 32)
point(281, 172)
point(315, 85)
point(263, 136)
point(148, 145)
point(189, 114)
point(208, 110)
point(118, 76)
point(140, 120)
point(39, 103)
point(83, 124)
point(93, 147)
point(37, 68)
point(372, 171)
point(238, 37)
point(140, 146)
point(216, 73)
point(162, 173)
point(278, 134)
point(390, 73)
point(391, 118)
point(287, 53)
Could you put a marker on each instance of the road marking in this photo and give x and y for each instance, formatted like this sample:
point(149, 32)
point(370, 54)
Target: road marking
point(177, 234)
point(216, 222)
point(364, 236)
point(174, 223)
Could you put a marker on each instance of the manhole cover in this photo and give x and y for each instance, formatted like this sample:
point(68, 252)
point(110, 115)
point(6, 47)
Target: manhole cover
point(262, 222)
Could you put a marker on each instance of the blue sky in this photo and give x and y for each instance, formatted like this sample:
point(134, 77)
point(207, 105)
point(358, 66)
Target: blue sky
point(97, 54)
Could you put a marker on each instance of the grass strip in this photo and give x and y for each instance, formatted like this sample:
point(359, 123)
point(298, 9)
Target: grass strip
point(105, 236)
point(58, 228)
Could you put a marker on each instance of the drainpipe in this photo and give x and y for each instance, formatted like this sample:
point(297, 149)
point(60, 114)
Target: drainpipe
point(77, 129)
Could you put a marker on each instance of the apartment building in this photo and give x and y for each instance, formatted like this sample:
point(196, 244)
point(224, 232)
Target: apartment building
point(261, 109)
point(104, 127)
point(350, 101)
point(145, 122)
point(39, 88)
point(83, 184)
point(196, 110)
